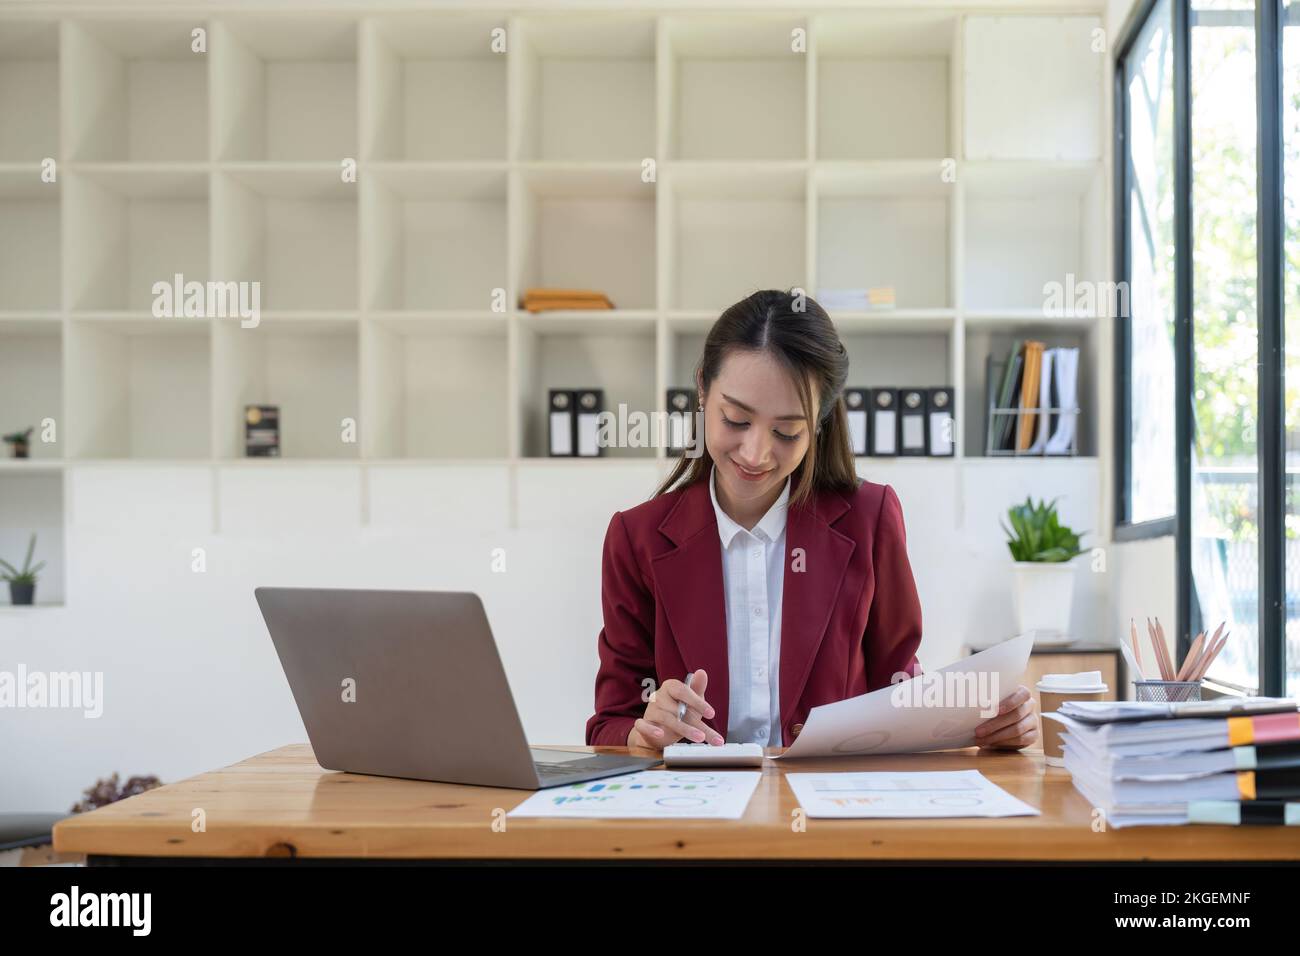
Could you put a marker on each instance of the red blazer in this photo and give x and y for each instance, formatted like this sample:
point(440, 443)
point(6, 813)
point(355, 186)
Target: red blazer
point(849, 621)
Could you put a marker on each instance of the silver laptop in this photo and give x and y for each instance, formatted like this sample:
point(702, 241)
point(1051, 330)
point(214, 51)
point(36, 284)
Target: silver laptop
point(409, 684)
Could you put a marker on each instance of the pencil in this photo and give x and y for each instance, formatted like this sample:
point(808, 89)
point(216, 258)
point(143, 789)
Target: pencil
point(1214, 652)
point(1158, 647)
point(1205, 649)
point(1193, 653)
point(1164, 650)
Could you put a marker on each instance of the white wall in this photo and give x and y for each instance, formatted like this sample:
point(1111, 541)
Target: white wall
point(1145, 576)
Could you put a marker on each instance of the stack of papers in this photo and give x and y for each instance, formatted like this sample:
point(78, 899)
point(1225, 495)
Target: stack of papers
point(1149, 764)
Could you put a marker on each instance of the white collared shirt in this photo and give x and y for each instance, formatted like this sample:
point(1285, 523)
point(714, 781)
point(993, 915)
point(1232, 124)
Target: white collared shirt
point(753, 574)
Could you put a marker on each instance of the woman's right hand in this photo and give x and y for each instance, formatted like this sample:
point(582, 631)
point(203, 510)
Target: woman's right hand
point(660, 727)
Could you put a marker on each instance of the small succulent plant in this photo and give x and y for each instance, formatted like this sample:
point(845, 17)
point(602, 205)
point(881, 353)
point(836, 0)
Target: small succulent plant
point(1039, 535)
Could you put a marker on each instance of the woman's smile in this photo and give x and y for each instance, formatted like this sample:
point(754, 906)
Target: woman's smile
point(748, 475)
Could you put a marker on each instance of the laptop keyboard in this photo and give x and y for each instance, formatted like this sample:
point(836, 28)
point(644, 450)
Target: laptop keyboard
point(557, 769)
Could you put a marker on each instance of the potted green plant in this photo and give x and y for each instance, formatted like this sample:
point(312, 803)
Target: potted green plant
point(20, 442)
point(1044, 577)
point(22, 584)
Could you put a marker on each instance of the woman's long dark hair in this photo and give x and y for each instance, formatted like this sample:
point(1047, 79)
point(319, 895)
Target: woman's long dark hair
point(799, 334)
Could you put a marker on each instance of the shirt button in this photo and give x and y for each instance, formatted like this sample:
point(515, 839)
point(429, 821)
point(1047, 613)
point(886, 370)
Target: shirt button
point(761, 671)
point(758, 611)
point(758, 552)
point(762, 735)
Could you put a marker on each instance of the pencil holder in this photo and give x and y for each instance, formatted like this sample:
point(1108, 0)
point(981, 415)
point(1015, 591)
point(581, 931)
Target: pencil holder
point(1167, 691)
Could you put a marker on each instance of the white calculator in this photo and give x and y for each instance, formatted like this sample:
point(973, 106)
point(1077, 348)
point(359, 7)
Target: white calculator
point(709, 755)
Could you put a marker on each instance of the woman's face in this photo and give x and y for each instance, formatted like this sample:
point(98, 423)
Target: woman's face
point(754, 427)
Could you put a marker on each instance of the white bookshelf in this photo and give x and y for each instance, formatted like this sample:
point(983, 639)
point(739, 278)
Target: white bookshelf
point(31, 265)
point(674, 160)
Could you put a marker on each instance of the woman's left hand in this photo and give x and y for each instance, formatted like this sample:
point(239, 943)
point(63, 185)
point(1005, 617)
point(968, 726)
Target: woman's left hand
point(1014, 726)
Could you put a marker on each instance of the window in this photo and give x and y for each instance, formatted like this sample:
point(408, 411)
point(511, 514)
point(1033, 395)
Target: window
point(1147, 491)
point(1208, 424)
point(1225, 333)
point(1291, 337)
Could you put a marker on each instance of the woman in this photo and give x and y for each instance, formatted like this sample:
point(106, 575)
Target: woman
point(808, 598)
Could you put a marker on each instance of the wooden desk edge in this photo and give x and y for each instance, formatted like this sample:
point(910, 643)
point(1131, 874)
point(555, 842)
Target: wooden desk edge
point(124, 830)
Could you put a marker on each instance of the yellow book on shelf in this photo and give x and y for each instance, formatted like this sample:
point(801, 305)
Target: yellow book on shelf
point(545, 299)
point(1029, 393)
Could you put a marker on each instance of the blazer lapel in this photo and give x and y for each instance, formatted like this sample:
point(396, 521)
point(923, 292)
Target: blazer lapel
point(690, 585)
point(808, 596)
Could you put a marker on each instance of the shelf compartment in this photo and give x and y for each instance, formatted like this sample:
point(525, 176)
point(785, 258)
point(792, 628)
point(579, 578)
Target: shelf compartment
point(30, 252)
point(129, 229)
point(685, 348)
point(586, 227)
point(293, 230)
point(307, 367)
point(886, 224)
point(29, 90)
point(286, 88)
point(1027, 225)
point(736, 229)
point(432, 89)
point(618, 362)
point(883, 85)
point(138, 388)
point(1048, 67)
point(738, 89)
point(33, 503)
point(921, 359)
point(31, 384)
point(586, 87)
point(134, 90)
point(436, 389)
point(996, 338)
point(434, 239)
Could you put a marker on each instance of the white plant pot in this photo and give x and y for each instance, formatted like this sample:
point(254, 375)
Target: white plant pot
point(1044, 593)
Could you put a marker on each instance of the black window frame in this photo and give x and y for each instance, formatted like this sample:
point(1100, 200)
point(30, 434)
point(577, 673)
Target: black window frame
point(1125, 529)
point(1268, 17)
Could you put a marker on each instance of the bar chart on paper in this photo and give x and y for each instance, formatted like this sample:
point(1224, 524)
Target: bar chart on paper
point(648, 794)
point(944, 793)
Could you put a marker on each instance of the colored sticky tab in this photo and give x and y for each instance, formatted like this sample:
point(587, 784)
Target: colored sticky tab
point(1240, 731)
point(1245, 757)
point(1246, 784)
point(1214, 811)
point(1271, 727)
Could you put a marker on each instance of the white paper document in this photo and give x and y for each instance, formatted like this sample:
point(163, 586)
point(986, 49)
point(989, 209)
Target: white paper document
point(1067, 378)
point(938, 710)
point(648, 794)
point(937, 793)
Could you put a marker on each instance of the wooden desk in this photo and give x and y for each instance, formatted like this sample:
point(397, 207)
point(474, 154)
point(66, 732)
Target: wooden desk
point(281, 804)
